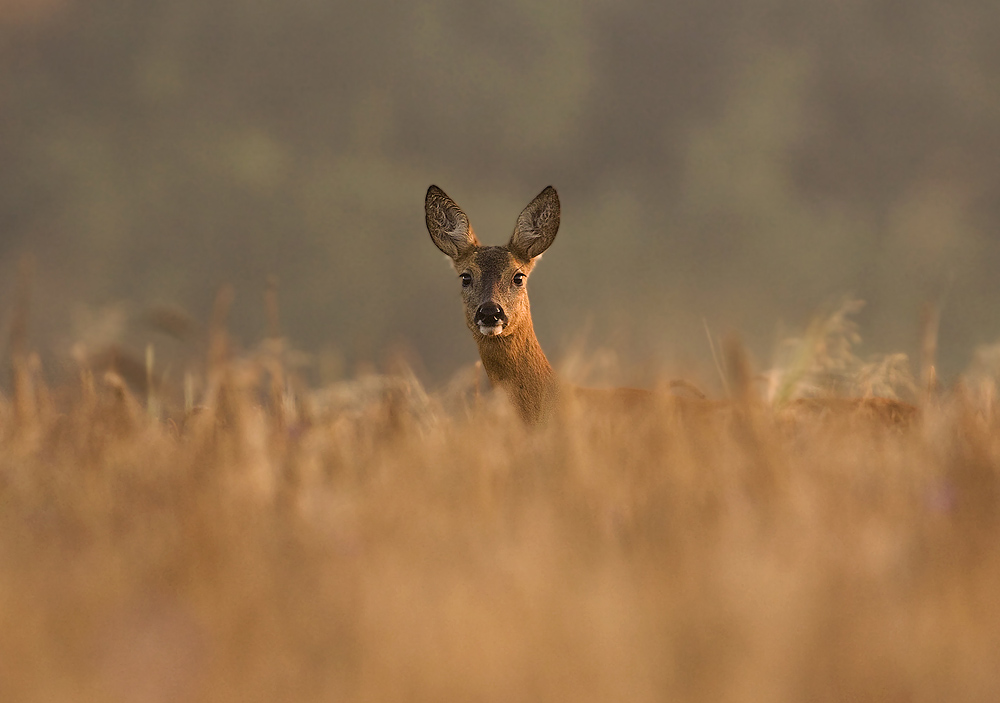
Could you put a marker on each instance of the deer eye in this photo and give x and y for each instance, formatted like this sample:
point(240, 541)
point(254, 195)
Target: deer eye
point(466, 280)
point(519, 279)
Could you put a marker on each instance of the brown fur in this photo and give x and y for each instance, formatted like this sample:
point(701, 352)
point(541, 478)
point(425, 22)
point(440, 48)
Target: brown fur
point(513, 360)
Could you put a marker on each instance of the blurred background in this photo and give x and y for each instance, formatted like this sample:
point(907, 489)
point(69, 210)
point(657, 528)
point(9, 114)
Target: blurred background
point(735, 165)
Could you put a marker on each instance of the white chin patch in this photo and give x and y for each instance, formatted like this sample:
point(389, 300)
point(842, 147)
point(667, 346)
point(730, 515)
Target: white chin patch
point(490, 331)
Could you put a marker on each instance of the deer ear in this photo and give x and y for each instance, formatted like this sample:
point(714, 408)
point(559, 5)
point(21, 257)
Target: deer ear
point(536, 226)
point(447, 224)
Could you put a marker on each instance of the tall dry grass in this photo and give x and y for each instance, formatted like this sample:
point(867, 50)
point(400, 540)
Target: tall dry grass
point(374, 542)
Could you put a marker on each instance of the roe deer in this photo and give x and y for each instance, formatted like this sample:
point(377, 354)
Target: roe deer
point(495, 296)
point(494, 290)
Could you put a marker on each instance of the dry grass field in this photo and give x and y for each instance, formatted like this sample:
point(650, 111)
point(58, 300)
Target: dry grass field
point(375, 542)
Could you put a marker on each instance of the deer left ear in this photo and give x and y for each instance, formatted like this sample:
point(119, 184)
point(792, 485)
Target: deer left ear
point(448, 225)
point(536, 226)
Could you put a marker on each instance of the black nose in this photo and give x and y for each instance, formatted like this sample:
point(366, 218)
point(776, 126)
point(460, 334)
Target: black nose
point(490, 314)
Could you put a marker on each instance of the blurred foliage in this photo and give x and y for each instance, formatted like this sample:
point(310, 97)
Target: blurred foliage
point(735, 164)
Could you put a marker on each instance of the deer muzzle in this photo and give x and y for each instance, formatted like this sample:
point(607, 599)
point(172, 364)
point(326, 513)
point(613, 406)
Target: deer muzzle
point(491, 319)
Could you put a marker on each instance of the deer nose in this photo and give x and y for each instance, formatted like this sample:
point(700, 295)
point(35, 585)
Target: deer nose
point(490, 314)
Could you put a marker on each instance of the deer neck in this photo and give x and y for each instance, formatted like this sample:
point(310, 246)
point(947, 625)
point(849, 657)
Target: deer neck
point(517, 364)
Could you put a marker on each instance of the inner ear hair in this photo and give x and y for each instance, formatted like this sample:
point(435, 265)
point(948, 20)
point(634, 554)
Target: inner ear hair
point(447, 224)
point(537, 226)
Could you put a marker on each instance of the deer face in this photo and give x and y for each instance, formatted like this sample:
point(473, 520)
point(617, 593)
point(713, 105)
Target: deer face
point(493, 279)
point(494, 290)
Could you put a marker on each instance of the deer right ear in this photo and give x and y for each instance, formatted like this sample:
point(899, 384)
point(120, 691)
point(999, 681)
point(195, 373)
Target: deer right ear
point(536, 226)
point(447, 224)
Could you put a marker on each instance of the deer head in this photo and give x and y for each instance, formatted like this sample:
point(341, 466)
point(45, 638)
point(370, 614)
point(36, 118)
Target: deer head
point(494, 279)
